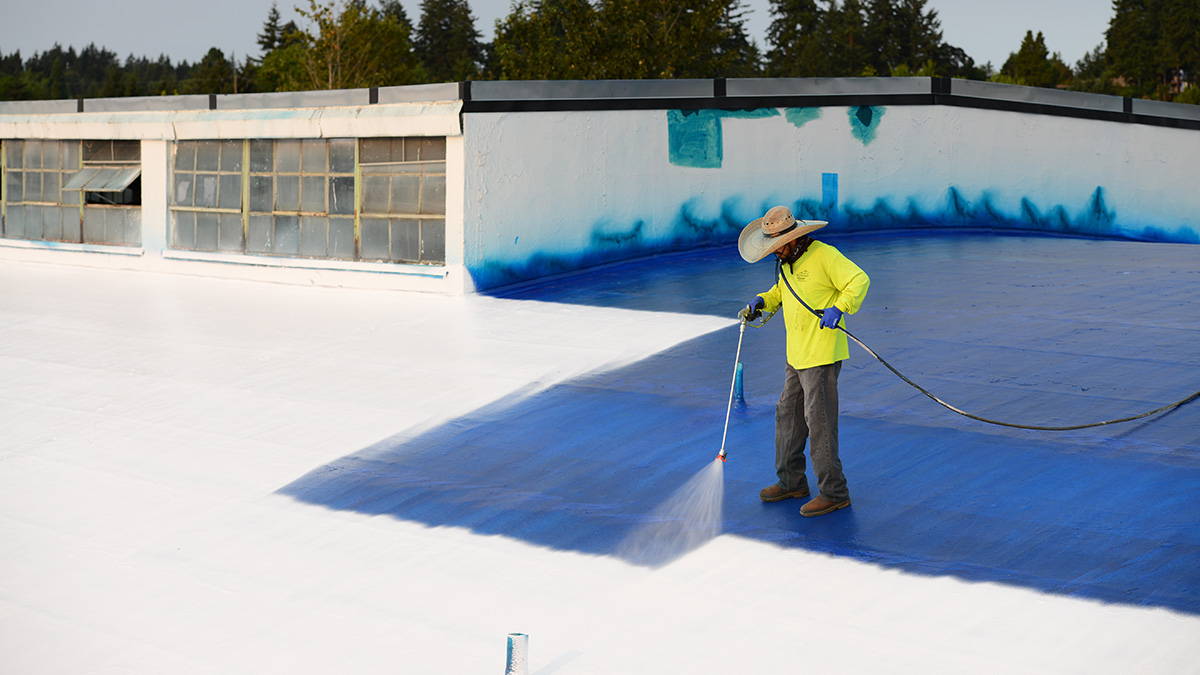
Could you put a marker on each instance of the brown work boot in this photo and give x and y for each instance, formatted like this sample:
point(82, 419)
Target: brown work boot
point(820, 505)
point(777, 493)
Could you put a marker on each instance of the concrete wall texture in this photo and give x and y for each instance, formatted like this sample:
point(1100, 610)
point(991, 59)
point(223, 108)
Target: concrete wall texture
point(551, 192)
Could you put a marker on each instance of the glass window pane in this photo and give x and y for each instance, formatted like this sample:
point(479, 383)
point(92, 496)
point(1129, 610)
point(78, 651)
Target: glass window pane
point(229, 237)
point(52, 155)
point(341, 194)
point(287, 193)
point(31, 157)
point(184, 183)
point(287, 156)
point(406, 239)
point(231, 155)
point(313, 151)
point(260, 193)
point(13, 186)
point(97, 151)
point(287, 235)
point(71, 227)
point(372, 150)
point(185, 155)
point(71, 155)
point(14, 222)
point(375, 239)
point(33, 186)
point(51, 184)
point(341, 155)
point(431, 148)
point(261, 155)
point(375, 194)
point(259, 239)
point(314, 236)
point(231, 191)
point(13, 150)
point(206, 190)
point(208, 155)
point(127, 151)
point(433, 240)
point(206, 231)
point(433, 197)
point(184, 234)
point(312, 198)
point(406, 191)
point(51, 224)
point(95, 224)
point(341, 238)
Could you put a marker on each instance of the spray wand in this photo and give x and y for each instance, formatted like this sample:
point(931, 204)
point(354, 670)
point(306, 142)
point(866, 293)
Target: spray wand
point(736, 360)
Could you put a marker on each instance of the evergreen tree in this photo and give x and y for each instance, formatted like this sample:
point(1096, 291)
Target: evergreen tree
point(447, 43)
point(1033, 65)
point(800, 36)
point(213, 75)
point(272, 32)
point(547, 40)
point(675, 39)
point(395, 10)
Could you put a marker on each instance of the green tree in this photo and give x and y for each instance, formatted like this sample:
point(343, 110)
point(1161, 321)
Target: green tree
point(213, 75)
point(272, 32)
point(1033, 65)
point(547, 40)
point(447, 43)
point(799, 37)
point(675, 39)
point(348, 46)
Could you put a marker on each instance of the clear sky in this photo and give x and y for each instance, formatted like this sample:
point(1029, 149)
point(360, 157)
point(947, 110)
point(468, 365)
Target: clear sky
point(987, 30)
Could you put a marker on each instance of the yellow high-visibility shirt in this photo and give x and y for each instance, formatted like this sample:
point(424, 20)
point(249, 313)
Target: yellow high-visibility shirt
point(823, 277)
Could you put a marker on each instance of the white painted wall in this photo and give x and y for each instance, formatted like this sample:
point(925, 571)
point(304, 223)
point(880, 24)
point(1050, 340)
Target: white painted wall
point(544, 188)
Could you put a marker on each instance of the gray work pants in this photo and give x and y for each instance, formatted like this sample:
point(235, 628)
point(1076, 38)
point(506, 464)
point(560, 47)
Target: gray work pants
point(808, 411)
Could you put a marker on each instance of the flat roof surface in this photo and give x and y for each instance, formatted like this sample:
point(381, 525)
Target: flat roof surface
point(205, 476)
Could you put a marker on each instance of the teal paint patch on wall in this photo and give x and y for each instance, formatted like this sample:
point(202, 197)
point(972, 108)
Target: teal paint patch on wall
point(694, 138)
point(798, 117)
point(864, 121)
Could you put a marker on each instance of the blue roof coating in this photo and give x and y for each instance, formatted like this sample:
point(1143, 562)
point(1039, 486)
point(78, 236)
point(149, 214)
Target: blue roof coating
point(1038, 330)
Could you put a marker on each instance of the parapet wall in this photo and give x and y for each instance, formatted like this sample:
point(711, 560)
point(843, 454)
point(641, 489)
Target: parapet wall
point(561, 176)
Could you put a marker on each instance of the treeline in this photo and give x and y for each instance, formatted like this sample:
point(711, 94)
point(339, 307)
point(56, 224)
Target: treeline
point(1151, 49)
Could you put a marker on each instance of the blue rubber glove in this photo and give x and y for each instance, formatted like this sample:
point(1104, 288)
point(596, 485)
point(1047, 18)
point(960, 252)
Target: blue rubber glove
point(830, 317)
point(752, 310)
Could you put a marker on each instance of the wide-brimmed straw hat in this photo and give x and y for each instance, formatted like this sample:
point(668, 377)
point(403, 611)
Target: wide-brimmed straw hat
point(765, 235)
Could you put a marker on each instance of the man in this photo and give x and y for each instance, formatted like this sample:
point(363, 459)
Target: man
point(822, 277)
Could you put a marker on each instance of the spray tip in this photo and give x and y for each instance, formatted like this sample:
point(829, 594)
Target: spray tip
point(721, 455)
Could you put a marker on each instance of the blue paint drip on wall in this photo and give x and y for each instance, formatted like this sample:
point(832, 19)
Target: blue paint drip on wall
point(933, 494)
point(864, 121)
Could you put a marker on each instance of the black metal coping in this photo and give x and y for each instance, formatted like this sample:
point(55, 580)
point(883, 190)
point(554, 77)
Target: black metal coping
point(687, 94)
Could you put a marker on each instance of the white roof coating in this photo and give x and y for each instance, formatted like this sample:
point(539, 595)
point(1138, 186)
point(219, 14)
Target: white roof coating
point(148, 421)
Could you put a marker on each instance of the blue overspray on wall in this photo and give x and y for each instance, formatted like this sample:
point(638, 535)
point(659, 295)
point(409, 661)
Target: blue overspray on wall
point(611, 242)
point(695, 137)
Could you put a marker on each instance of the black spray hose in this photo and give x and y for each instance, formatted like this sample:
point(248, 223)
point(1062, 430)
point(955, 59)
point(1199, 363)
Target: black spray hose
point(914, 385)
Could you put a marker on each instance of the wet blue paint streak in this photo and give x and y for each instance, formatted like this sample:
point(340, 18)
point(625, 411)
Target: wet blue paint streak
point(1111, 513)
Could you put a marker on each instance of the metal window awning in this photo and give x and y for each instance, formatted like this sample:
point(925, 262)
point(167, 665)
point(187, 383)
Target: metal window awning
point(103, 179)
